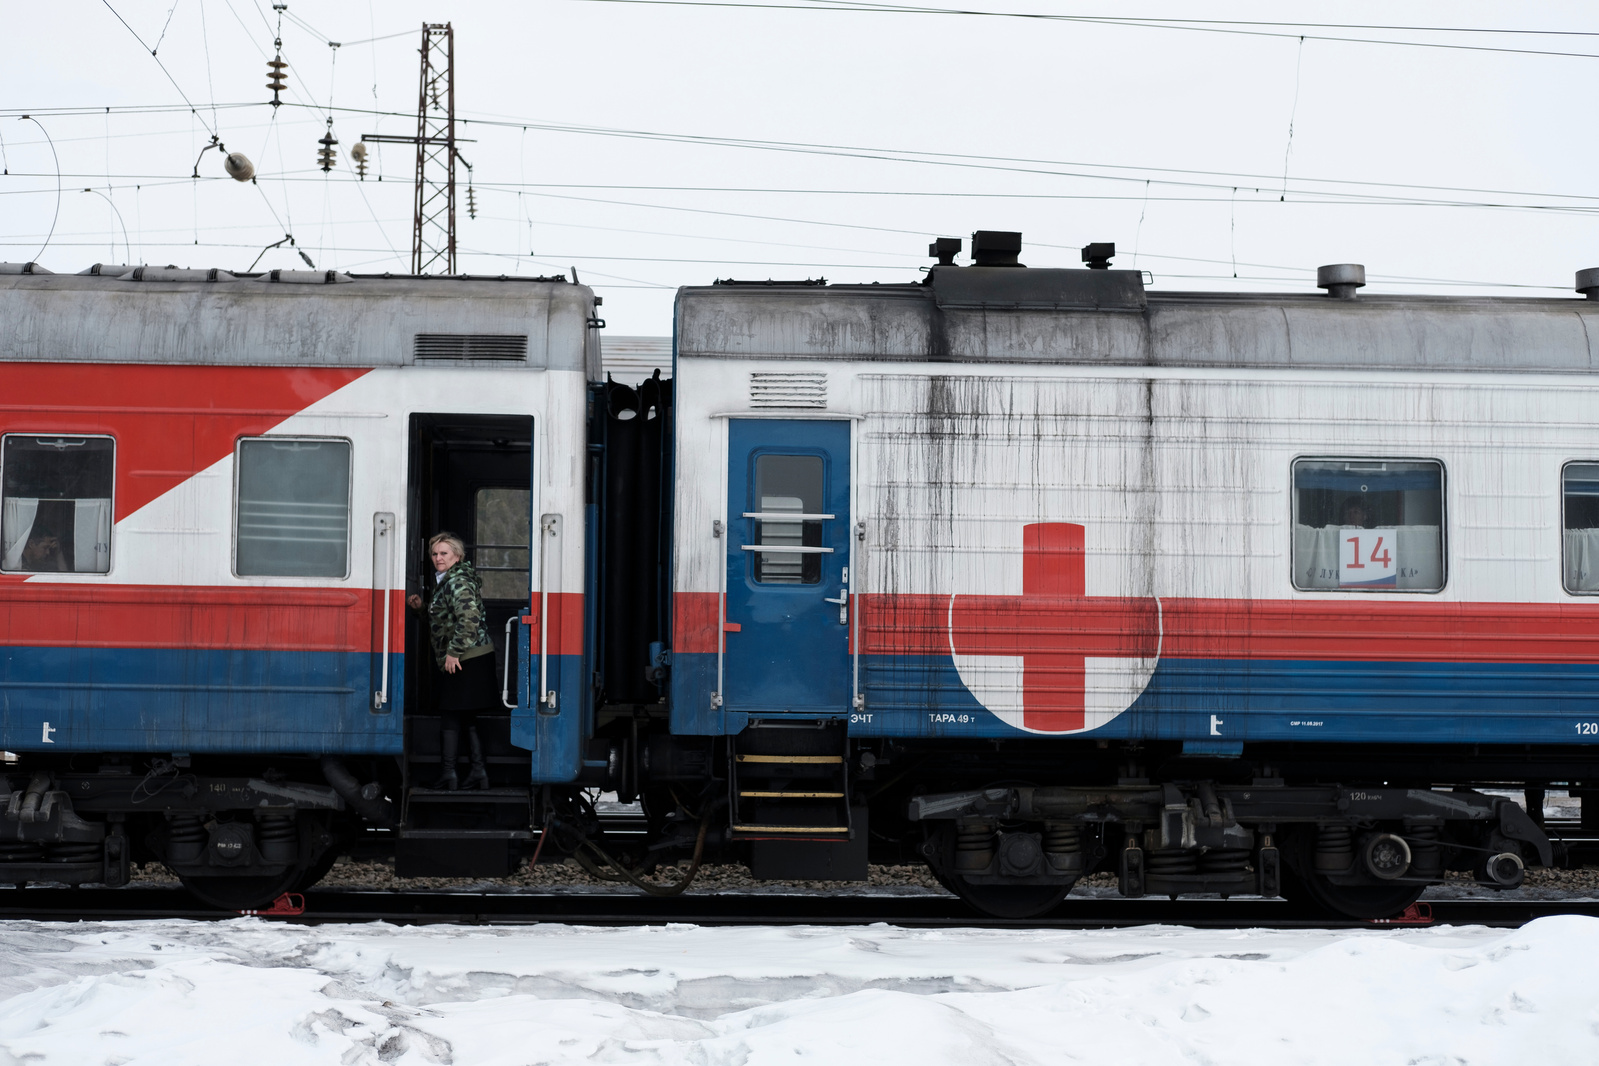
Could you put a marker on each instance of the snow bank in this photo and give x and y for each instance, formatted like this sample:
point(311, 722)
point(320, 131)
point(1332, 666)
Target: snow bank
point(248, 991)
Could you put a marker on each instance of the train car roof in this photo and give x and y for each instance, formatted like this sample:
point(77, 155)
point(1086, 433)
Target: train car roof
point(296, 318)
point(1107, 318)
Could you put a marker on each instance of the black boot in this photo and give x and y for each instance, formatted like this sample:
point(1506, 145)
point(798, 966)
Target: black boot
point(479, 777)
point(449, 742)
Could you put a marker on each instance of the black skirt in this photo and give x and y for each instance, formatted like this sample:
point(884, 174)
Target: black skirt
point(474, 687)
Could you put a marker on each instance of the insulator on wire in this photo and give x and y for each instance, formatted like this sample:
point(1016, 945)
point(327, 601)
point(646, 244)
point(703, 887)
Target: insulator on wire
point(471, 202)
point(238, 166)
point(326, 157)
point(358, 153)
point(275, 77)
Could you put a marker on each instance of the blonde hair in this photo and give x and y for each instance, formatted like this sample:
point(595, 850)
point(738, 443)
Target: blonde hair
point(457, 545)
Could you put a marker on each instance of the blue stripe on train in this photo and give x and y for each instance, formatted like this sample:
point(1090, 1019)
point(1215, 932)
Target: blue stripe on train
point(1249, 699)
point(140, 699)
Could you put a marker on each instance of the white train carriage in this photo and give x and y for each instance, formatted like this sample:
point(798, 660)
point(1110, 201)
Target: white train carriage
point(1017, 505)
point(217, 492)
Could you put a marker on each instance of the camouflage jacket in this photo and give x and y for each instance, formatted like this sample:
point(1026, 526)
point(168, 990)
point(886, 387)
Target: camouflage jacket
point(455, 615)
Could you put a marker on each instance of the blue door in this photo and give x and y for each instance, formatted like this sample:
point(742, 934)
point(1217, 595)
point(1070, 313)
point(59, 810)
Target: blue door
point(787, 621)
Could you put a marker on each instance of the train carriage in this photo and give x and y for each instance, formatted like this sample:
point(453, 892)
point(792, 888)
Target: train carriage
point(217, 491)
point(1068, 556)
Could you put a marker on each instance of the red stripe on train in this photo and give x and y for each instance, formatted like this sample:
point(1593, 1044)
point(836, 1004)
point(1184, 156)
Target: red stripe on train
point(61, 614)
point(1355, 629)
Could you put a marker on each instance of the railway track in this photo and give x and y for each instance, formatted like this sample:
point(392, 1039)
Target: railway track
point(732, 908)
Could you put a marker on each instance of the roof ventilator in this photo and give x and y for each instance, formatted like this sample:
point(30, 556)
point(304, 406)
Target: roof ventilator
point(790, 389)
point(1588, 282)
point(23, 268)
point(173, 273)
point(1341, 279)
point(1098, 255)
point(945, 249)
point(463, 347)
point(996, 248)
point(305, 277)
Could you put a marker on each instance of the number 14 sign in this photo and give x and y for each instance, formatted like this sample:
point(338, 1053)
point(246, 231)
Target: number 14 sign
point(1368, 558)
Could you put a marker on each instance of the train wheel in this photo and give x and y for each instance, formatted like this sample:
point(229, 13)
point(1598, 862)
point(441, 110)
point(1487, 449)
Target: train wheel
point(317, 870)
point(1008, 901)
point(1362, 902)
point(241, 893)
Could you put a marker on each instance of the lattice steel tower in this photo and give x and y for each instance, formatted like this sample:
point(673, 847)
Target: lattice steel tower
point(433, 237)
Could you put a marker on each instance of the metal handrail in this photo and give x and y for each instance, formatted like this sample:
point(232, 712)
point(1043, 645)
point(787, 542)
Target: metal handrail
point(505, 683)
point(549, 526)
point(788, 516)
point(793, 549)
point(383, 533)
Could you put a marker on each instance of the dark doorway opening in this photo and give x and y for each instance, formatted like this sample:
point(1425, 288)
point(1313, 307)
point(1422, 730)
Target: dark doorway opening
point(473, 476)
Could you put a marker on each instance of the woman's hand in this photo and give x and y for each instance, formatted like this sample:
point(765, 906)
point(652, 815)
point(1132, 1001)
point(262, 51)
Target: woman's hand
point(451, 664)
point(414, 602)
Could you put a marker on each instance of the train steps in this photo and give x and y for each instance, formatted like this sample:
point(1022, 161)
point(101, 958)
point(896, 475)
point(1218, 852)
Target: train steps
point(465, 832)
point(790, 781)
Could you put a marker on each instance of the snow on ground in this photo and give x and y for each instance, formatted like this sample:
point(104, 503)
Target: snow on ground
point(248, 991)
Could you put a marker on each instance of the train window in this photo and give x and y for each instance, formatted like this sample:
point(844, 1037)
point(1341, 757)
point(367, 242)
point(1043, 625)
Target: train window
point(55, 506)
point(788, 484)
point(1580, 506)
point(502, 538)
point(292, 516)
point(1368, 525)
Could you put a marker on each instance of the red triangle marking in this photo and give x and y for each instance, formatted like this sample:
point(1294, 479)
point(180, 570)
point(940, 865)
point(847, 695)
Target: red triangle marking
point(170, 422)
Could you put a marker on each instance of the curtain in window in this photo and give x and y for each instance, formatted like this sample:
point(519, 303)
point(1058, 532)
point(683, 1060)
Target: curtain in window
point(91, 536)
point(16, 523)
point(1582, 560)
point(1419, 559)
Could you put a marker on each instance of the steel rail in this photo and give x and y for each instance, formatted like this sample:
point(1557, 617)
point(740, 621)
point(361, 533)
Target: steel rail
point(334, 905)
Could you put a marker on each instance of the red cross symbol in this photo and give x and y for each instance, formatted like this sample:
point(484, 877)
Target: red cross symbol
point(1054, 626)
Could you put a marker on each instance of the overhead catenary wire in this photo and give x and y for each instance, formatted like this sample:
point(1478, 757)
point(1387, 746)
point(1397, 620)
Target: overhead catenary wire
point(1236, 27)
point(1134, 173)
point(162, 65)
point(56, 217)
point(1094, 172)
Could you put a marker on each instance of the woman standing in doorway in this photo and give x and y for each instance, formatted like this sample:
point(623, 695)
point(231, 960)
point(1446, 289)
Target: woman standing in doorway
point(464, 654)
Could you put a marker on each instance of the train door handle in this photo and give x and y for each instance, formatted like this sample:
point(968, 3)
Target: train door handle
point(843, 606)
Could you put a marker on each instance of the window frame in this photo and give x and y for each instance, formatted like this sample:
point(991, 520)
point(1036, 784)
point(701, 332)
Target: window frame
point(752, 484)
point(532, 544)
point(1560, 533)
point(111, 562)
point(349, 510)
point(1443, 521)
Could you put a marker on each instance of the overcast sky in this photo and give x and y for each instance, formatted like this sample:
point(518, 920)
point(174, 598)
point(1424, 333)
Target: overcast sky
point(611, 142)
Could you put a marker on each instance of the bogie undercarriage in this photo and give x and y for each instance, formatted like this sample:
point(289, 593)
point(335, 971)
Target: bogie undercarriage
point(1010, 828)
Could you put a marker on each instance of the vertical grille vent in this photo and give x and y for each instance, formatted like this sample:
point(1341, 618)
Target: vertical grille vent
point(458, 347)
point(788, 390)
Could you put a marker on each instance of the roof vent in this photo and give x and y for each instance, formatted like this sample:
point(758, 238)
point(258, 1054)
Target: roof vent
point(172, 273)
point(105, 270)
point(996, 248)
point(945, 249)
point(1099, 254)
point(305, 277)
point(23, 268)
point(1588, 282)
point(1341, 279)
point(802, 389)
point(471, 347)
